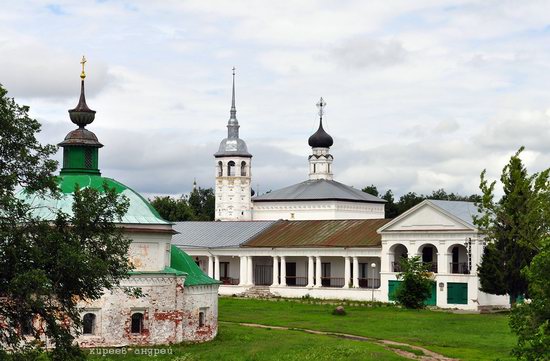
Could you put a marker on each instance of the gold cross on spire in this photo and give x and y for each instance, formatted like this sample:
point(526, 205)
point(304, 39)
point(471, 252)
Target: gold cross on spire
point(83, 74)
point(321, 105)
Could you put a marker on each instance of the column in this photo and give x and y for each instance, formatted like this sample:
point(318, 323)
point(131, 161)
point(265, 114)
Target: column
point(355, 272)
point(275, 271)
point(210, 266)
point(442, 264)
point(318, 272)
point(310, 271)
point(249, 273)
point(217, 267)
point(283, 271)
point(347, 271)
point(242, 273)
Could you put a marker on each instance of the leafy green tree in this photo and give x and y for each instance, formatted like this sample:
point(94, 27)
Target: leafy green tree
point(173, 209)
point(514, 227)
point(46, 267)
point(202, 201)
point(416, 283)
point(407, 201)
point(372, 189)
point(531, 320)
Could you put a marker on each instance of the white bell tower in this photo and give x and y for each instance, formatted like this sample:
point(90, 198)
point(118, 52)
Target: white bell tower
point(233, 173)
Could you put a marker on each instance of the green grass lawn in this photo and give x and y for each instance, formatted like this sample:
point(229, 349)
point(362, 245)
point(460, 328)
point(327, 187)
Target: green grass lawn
point(238, 343)
point(464, 336)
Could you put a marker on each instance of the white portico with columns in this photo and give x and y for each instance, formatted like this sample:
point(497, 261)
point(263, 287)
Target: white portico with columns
point(347, 259)
point(443, 235)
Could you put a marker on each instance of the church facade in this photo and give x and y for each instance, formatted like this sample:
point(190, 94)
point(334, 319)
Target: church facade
point(179, 302)
point(324, 239)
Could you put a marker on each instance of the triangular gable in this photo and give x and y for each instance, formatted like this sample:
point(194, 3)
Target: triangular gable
point(425, 217)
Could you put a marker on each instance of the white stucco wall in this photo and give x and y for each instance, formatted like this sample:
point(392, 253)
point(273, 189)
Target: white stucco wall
point(233, 192)
point(316, 210)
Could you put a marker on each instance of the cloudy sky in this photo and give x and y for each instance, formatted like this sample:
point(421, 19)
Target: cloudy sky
point(420, 94)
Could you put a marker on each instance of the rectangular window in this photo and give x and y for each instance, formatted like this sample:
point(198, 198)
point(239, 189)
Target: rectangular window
point(224, 269)
point(202, 316)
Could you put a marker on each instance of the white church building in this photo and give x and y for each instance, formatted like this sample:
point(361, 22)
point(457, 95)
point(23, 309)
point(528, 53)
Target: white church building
point(324, 239)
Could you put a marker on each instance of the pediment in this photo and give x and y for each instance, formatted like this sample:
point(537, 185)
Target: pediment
point(425, 217)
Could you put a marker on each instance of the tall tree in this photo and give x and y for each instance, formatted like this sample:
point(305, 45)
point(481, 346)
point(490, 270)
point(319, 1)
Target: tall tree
point(202, 201)
point(47, 266)
point(531, 320)
point(391, 207)
point(514, 227)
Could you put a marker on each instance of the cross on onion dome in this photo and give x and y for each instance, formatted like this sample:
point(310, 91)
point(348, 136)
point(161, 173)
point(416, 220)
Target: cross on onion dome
point(321, 105)
point(83, 62)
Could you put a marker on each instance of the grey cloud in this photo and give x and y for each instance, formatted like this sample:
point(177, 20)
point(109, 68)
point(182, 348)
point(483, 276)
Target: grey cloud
point(530, 129)
point(361, 52)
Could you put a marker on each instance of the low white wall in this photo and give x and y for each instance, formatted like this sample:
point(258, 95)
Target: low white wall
point(355, 294)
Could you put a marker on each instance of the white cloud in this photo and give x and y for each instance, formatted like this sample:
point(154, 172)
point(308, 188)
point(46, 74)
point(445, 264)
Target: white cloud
point(420, 95)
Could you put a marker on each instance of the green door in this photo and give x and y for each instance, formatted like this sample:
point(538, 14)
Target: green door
point(392, 288)
point(457, 293)
point(393, 285)
point(432, 300)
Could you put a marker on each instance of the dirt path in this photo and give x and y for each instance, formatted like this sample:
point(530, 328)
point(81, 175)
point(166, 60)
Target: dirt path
point(387, 344)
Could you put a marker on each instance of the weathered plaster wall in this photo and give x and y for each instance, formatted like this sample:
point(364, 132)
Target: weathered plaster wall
point(170, 313)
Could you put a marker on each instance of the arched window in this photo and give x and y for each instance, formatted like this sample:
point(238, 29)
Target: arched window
point(88, 324)
point(220, 169)
point(137, 322)
point(243, 169)
point(201, 319)
point(231, 168)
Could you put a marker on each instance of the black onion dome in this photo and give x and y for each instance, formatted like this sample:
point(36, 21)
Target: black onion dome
point(320, 139)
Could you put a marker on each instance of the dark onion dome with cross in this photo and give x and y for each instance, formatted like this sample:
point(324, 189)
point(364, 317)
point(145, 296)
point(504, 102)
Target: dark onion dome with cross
point(320, 139)
point(81, 167)
point(320, 186)
point(233, 145)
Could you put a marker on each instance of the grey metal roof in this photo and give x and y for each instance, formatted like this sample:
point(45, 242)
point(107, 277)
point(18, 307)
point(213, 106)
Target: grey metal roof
point(462, 210)
point(217, 234)
point(318, 189)
point(235, 147)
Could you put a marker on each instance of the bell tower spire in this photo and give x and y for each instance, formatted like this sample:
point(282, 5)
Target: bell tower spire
point(233, 172)
point(80, 147)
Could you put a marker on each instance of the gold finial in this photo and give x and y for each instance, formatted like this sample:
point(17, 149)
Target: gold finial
point(83, 74)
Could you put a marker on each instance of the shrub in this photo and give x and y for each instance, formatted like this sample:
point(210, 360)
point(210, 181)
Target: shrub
point(417, 283)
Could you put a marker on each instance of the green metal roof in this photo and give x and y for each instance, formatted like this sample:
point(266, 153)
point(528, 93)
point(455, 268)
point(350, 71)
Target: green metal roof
point(165, 271)
point(140, 210)
point(181, 261)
